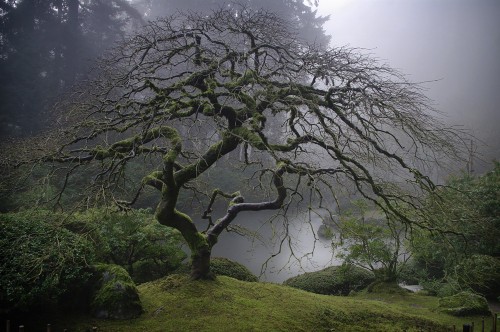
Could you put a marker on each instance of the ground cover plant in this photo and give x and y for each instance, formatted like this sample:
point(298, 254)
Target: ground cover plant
point(178, 303)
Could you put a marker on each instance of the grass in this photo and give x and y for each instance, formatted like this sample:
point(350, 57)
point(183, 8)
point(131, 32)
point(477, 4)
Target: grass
point(176, 303)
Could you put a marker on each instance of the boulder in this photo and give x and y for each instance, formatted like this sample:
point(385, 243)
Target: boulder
point(115, 295)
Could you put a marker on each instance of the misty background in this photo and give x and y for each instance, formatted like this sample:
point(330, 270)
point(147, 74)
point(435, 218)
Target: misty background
point(452, 46)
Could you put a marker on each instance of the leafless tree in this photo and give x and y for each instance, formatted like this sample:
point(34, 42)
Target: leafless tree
point(191, 89)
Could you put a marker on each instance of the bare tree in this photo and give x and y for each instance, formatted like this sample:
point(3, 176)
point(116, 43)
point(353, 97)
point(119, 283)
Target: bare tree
point(191, 89)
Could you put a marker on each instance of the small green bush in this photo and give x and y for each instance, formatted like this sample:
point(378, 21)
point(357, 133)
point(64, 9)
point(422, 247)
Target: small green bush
point(41, 260)
point(226, 267)
point(480, 273)
point(132, 239)
point(464, 304)
point(334, 280)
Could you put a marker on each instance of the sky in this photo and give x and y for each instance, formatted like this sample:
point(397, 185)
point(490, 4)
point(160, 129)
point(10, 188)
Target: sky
point(453, 43)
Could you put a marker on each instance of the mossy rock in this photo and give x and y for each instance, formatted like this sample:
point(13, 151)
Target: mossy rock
point(334, 280)
point(464, 304)
point(116, 296)
point(226, 267)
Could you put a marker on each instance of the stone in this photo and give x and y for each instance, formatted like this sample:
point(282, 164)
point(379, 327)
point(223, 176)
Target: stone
point(115, 296)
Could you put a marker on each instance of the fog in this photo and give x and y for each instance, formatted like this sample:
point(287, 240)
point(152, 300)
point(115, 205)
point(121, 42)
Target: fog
point(453, 45)
point(304, 252)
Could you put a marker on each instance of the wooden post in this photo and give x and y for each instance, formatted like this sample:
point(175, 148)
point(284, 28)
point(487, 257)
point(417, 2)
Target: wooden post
point(7, 325)
point(454, 328)
point(21, 328)
point(495, 321)
point(94, 329)
point(472, 324)
point(48, 328)
point(482, 324)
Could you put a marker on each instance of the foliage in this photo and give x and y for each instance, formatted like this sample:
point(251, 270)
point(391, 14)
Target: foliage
point(40, 259)
point(371, 242)
point(334, 280)
point(480, 273)
point(226, 267)
point(176, 303)
point(193, 91)
point(116, 296)
point(464, 304)
point(232, 305)
point(441, 287)
point(131, 239)
point(468, 210)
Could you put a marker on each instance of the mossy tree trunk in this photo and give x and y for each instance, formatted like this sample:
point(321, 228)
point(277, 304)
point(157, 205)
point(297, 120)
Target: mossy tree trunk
point(200, 263)
point(197, 241)
point(170, 181)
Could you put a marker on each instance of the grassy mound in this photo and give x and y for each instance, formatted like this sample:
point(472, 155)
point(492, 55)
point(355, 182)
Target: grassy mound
point(334, 280)
point(176, 303)
point(224, 267)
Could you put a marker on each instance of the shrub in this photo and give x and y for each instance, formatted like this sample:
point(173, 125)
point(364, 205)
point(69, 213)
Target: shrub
point(133, 240)
point(442, 287)
point(334, 280)
point(148, 270)
point(464, 304)
point(41, 260)
point(226, 267)
point(480, 273)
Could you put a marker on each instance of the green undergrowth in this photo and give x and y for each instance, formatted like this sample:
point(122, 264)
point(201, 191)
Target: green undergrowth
point(176, 303)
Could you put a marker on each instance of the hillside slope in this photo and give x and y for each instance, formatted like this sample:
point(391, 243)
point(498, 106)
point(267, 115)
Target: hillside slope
point(175, 303)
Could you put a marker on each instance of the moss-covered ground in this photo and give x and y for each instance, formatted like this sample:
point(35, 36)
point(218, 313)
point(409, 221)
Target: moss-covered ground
point(176, 303)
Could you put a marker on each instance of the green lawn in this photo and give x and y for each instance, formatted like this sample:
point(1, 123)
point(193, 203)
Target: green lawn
point(176, 303)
